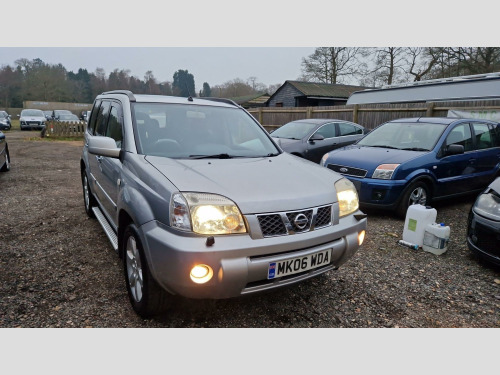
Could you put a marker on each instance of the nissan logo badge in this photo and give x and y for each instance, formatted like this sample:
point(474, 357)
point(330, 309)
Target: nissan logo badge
point(300, 221)
point(343, 170)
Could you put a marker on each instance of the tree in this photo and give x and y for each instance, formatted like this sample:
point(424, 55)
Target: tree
point(389, 65)
point(421, 61)
point(183, 84)
point(331, 64)
point(207, 91)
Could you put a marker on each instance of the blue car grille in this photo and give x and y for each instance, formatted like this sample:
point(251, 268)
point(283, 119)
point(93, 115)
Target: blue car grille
point(348, 171)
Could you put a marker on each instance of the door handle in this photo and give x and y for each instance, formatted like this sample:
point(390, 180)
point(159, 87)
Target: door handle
point(99, 158)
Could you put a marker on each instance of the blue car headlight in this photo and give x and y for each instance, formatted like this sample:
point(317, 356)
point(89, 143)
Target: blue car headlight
point(385, 171)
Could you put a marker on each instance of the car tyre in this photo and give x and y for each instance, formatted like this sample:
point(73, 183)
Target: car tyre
point(6, 166)
point(417, 193)
point(146, 296)
point(88, 198)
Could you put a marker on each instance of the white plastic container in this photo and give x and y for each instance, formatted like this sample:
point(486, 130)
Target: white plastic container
point(436, 238)
point(416, 221)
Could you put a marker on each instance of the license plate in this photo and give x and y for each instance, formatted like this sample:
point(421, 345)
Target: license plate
point(300, 264)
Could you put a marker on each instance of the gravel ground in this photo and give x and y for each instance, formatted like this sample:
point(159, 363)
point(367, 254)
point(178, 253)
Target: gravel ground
point(57, 268)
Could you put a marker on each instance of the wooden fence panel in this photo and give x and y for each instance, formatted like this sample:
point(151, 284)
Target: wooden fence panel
point(368, 115)
point(56, 129)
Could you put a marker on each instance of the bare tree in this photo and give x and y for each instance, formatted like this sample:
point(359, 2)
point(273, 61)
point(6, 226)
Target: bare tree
point(389, 65)
point(421, 61)
point(331, 64)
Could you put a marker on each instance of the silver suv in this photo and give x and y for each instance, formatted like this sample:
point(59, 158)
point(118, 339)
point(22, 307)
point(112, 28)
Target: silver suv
point(199, 201)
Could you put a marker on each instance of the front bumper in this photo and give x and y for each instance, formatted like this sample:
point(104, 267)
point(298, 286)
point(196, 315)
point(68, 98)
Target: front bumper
point(483, 237)
point(375, 193)
point(240, 264)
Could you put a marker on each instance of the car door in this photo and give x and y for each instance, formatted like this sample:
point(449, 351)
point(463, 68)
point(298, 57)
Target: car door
point(98, 129)
point(488, 152)
point(316, 149)
point(456, 173)
point(111, 167)
point(348, 134)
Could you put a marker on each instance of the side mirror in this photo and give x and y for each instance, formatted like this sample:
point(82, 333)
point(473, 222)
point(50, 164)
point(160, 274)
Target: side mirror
point(316, 137)
point(103, 146)
point(2, 136)
point(454, 150)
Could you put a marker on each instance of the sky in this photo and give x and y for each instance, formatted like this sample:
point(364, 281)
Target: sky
point(217, 42)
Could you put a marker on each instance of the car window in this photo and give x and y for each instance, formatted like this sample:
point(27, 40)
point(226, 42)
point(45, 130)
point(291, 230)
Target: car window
point(349, 129)
point(102, 118)
point(327, 131)
point(460, 135)
point(294, 130)
point(114, 129)
point(484, 135)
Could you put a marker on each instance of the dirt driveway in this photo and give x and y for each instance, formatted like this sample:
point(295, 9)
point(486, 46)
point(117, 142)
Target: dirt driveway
point(57, 268)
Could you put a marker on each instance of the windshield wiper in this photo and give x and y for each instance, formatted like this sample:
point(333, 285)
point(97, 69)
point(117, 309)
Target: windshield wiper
point(415, 149)
point(216, 156)
point(395, 148)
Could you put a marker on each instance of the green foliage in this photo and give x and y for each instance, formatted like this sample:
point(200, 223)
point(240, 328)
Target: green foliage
point(183, 84)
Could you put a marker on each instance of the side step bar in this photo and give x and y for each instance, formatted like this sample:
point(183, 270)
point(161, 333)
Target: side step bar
point(107, 228)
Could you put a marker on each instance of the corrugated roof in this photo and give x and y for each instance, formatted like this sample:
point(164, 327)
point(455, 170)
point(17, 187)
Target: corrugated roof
point(326, 89)
point(252, 99)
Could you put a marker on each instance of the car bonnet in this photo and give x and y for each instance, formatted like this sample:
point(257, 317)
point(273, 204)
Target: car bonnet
point(370, 158)
point(256, 185)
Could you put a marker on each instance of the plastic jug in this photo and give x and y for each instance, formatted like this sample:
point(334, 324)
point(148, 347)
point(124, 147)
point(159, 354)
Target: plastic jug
point(416, 221)
point(436, 238)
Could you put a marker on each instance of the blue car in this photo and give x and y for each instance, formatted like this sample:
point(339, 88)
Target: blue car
point(417, 160)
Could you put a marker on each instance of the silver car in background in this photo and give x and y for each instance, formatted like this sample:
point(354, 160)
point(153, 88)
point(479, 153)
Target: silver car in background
point(32, 119)
point(199, 201)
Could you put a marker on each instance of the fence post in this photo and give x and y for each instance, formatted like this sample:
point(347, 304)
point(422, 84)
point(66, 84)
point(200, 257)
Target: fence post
point(355, 113)
point(261, 115)
point(309, 112)
point(430, 109)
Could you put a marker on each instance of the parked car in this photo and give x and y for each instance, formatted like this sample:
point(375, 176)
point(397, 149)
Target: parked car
point(312, 138)
point(4, 154)
point(68, 118)
point(418, 160)
point(5, 123)
point(200, 202)
point(56, 113)
point(483, 231)
point(32, 119)
point(48, 115)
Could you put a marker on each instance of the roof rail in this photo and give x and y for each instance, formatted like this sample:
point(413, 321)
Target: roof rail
point(444, 80)
point(125, 92)
point(222, 100)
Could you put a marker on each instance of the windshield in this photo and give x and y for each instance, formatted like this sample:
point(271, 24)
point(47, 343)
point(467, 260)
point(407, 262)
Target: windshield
point(194, 131)
point(415, 136)
point(68, 117)
point(293, 130)
point(32, 112)
point(3, 114)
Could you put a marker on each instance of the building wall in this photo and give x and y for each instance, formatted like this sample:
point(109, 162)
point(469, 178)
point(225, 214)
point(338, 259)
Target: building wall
point(286, 96)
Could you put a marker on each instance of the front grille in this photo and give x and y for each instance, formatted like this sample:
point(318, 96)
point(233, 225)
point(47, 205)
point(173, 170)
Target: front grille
point(37, 123)
point(348, 171)
point(298, 225)
point(324, 216)
point(291, 222)
point(272, 225)
point(487, 239)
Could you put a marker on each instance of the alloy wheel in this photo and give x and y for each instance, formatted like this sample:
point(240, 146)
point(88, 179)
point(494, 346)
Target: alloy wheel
point(134, 269)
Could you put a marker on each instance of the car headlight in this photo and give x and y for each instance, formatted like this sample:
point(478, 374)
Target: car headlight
point(323, 159)
point(205, 213)
point(385, 171)
point(347, 197)
point(488, 205)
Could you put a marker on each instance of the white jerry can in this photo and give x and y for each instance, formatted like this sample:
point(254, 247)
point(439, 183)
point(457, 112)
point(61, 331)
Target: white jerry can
point(436, 238)
point(416, 221)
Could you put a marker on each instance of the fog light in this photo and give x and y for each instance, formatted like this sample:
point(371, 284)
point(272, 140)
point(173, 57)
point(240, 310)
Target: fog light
point(201, 273)
point(361, 237)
